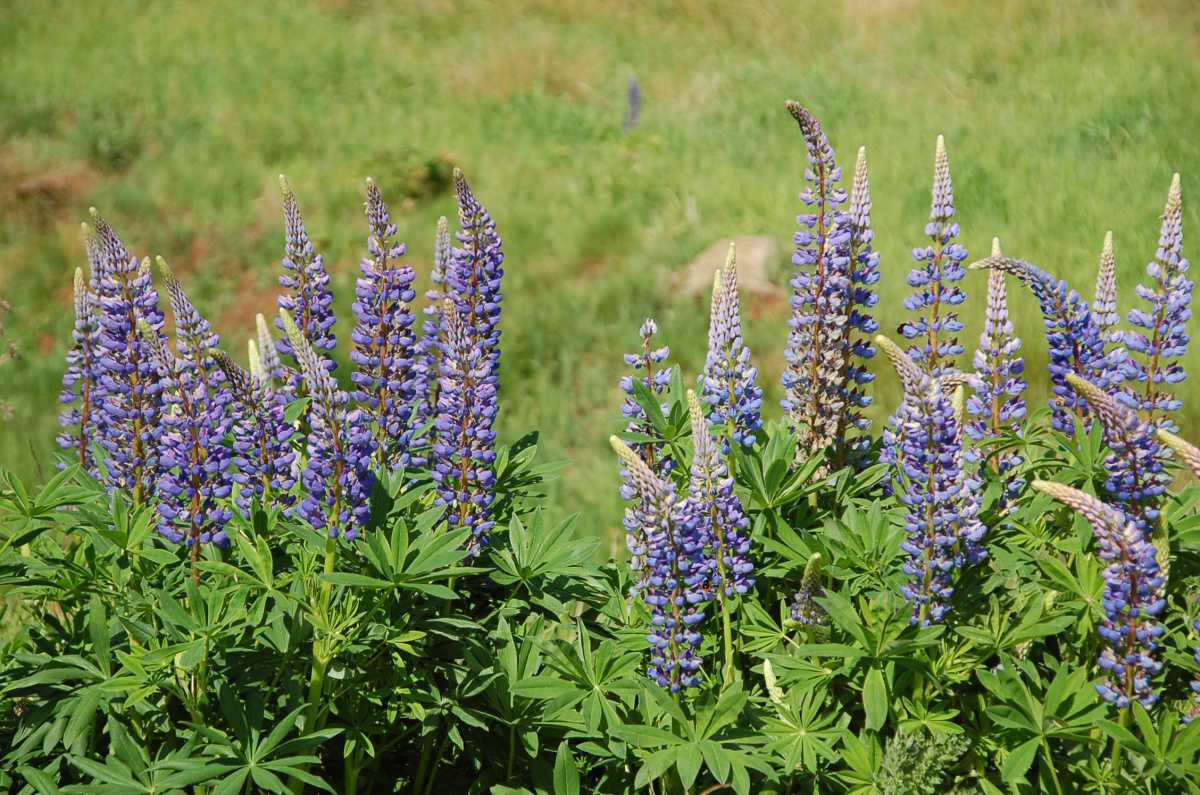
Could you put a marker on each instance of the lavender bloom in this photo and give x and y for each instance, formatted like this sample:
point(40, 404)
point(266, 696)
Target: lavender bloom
point(268, 352)
point(675, 584)
point(1136, 480)
point(80, 382)
point(730, 380)
point(715, 513)
point(464, 450)
point(805, 611)
point(195, 477)
point(935, 282)
point(1104, 306)
point(816, 345)
point(130, 404)
point(474, 275)
point(998, 407)
point(425, 368)
point(308, 300)
point(944, 531)
point(383, 341)
point(337, 476)
point(1162, 342)
point(1132, 598)
point(656, 379)
point(861, 299)
point(1074, 338)
point(262, 454)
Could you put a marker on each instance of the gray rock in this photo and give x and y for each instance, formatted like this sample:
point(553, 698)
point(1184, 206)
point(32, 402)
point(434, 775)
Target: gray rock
point(759, 271)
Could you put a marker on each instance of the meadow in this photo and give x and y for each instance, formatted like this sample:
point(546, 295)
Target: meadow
point(1062, 121)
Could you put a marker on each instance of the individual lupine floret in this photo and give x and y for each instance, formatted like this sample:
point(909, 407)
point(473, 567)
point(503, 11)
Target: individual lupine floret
point(997, 407)
point(382, 336)
point(861, 300)
point(262, 452)
point(1075, 342)
point(1136, 480)
point(130, 404)
point(268, 352)
point(337, 476)
point(649, 370)
point(1104, 305)
point(942, 523)
point(816, 346)
point(464, 451)
point(307, 297)
point(425, 369)
point(730, 380)
point(675, 583)
point(1132, 598)
point(717, 510)
point(1159, 346)
point(935, 280)
point(805, 611)
point(80, 384)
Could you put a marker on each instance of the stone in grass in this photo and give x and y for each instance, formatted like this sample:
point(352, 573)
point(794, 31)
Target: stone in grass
point(759, 273)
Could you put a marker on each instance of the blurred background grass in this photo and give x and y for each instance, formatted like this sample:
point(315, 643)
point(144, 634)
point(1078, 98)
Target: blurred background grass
point(1062, 120)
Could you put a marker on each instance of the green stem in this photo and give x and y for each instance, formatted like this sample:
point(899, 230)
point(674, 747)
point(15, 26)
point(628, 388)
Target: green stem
point(423, 764)
point(437, 760)
point(1116, 753)
point(1050, 766)
point(512, 751)
point(320, 661)
point(727, 639)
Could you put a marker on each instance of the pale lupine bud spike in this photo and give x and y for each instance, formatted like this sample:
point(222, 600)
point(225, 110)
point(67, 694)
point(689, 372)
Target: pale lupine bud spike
point(1104, 306)
point(958, 400)
point(912, 378)
point(256, 368)
point(996, 248)
point(1187, 452)
point(943, 189)
point(696, 414)
point(643, 480)
point(1132, 598)
point(268, 350)
point(195, 339)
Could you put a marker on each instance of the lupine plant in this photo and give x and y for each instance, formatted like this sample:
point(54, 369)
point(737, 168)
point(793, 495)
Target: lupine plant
point(371, 596)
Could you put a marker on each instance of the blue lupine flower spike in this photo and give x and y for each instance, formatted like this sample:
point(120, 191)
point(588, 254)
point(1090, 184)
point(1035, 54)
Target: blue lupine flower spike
point(81, 381)
point(730, 381)
point(425, 368)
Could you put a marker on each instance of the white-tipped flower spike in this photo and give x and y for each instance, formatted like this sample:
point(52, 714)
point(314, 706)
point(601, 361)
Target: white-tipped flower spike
point(1104, 306)
point(268, 351)
point(912, 377)
point(1132, 598)
point(729, 381)
point(1187, 452)
point(256, 368)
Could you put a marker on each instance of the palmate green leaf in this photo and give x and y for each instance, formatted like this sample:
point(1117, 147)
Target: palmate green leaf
point(654, 766)
point(644, 736)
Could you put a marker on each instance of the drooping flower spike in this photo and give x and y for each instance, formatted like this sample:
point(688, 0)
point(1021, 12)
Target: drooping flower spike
point(816, 348)
point(337, 476)
point(80, 384)
point(1104, 306)
point(262, 452)
point(675, 584)
point(1132, 598)
point(1136, 480)
point(941, 499)
point(715, 513)
point(935, 280)
point(730, 380)
point(383, 342)
point(1159, 339)
point(1076, 344)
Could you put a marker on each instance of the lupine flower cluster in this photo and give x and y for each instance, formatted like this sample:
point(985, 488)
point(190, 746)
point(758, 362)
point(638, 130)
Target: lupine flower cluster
point(1160, 338)
point(941, 497)
point(425, 368)
point(676, 581)
point(80, 381)
point(730, 380)
point(1190, 455)
point(997, 407)
point(804, 608)
point(935, 281)
point(1104, 305)
point(383, 344)
point(1132, 598)
point(194, 478)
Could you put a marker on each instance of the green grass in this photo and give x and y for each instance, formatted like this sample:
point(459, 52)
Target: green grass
point(174, 120)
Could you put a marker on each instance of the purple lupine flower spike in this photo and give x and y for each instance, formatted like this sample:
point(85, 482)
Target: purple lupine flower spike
point(464, 451)
point(383, 341)
point(935, 281)
point(997, 407)
point(655, 377)
point(804, 609)
point(337, 476)
point(474, 276)
point(1136, 479)
point(262, 453)
point(674, 586)
point(1132, 599)
point(1159, 340)
point(861, 299)
point(815, 395)
point(716, 512)
point(130, 393)
point(268, 352)
point(730, 380)
point(307, 299)
point(80, 384)
point(942, 524)
point(1076, 344)
point(194, 477)
point(1104, 305)
point(425, 382)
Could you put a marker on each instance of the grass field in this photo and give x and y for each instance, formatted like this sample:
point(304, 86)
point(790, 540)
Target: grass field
point(174, 119)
